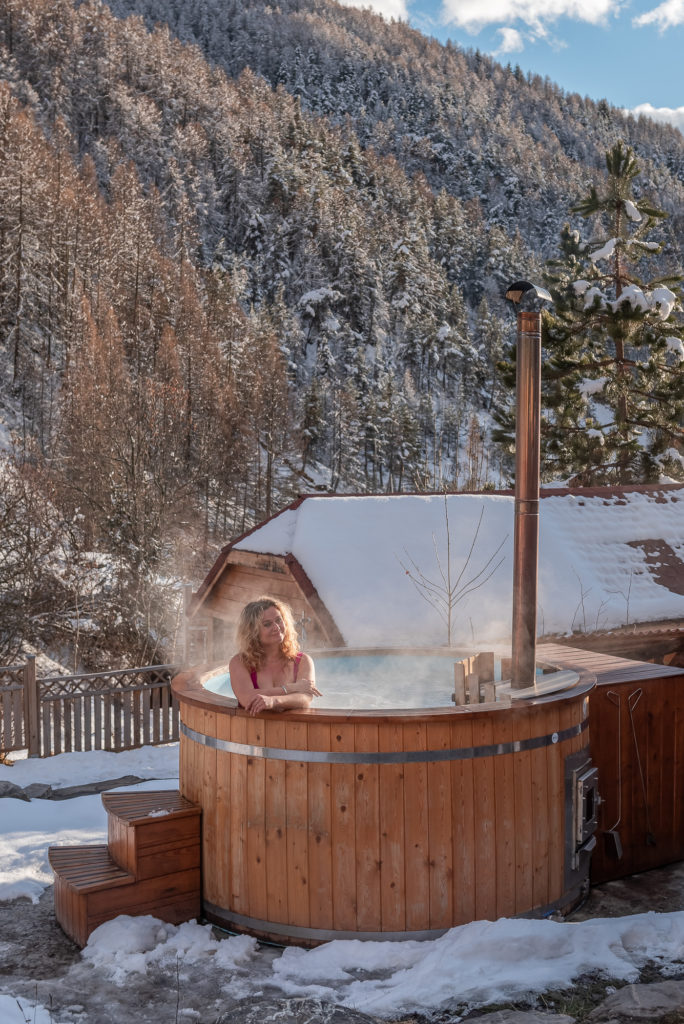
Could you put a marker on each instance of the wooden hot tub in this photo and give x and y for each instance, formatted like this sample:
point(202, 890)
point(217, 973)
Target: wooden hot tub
point(324, 824)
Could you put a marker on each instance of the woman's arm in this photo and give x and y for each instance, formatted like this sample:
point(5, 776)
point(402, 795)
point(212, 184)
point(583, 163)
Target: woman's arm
point(305, 683)
point(306, 679)
point(271, 698)
point(262, 701)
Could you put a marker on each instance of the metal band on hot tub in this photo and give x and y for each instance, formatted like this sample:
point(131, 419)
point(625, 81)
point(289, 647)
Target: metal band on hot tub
point(230, 920)
point(385, 757)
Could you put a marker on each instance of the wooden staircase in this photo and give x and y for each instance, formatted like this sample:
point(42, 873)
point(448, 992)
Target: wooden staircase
point(150, 865)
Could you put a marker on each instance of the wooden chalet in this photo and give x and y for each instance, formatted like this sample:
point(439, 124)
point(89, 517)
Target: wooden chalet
point(318, 580)
point(240, 575)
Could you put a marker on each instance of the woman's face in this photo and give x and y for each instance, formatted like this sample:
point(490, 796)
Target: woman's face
point(271, 627)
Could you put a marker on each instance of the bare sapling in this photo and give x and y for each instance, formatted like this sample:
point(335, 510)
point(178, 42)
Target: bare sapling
point(451, 585)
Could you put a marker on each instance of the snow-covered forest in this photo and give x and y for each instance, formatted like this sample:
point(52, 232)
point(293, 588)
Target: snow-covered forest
point(252, 252)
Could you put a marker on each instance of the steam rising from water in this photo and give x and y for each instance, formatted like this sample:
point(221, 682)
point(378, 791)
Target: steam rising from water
point(370, 681)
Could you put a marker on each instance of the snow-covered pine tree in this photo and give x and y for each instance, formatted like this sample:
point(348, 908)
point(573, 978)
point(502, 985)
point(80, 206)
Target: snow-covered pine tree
point(612, 381)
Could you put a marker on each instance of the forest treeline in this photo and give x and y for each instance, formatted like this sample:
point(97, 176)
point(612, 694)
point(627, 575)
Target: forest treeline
point(231, 275)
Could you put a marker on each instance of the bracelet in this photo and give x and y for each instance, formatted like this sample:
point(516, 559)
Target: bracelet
point(284, 690)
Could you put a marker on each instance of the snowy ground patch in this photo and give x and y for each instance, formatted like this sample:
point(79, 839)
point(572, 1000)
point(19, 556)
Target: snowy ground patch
point(29, 828)
point(142, 968)
point(130, 945)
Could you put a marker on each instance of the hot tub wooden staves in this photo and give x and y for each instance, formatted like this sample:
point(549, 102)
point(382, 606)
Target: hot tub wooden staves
point(395, 824)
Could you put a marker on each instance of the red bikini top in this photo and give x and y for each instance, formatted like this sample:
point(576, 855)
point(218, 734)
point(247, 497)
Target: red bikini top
point(297, 659)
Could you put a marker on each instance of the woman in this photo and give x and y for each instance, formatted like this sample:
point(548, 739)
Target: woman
point(268, 673)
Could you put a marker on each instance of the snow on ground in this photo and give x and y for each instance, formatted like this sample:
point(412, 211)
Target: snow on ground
point(19, 1011)
point(474, 965)
point(28, 828)
point(66, 770)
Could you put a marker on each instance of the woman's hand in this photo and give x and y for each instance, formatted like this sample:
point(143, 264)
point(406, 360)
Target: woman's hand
point(260, 702)
point(306, 686)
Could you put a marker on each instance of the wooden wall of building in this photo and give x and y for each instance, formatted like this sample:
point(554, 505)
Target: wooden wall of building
point(637, 732)
point(251, 577)
point(636, 713)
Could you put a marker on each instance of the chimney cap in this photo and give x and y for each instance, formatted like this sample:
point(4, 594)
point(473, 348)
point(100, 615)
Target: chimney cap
point(516, 291)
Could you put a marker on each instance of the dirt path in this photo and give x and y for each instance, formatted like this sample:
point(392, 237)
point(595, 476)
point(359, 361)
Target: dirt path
point(39, 963)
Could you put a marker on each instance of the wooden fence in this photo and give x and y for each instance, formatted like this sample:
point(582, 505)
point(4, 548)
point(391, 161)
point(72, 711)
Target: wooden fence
point(116, 710)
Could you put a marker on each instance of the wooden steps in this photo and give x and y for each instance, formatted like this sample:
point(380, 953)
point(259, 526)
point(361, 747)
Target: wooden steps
point(151, 865)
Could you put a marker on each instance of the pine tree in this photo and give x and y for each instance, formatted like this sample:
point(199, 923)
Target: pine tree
point(613, 390)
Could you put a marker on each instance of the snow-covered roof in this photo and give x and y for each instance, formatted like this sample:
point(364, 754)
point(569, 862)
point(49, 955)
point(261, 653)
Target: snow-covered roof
point(607, 557)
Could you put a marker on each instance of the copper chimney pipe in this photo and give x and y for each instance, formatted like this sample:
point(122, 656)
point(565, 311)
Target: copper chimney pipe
point(526, 527)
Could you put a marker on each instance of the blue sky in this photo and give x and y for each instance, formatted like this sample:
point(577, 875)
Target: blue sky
point(631, 54)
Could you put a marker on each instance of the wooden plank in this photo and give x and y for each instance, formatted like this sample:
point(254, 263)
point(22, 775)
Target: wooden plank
point(606, 724)
point(650, 720)
point(473, 687)
point(178, 857)
point(125, 716)
point(662, 773)
point(142, 897)
point(416, 850)
point(276, 827)
point(391, 817)
point(117, 716)
point(78, 723)
point(87, 718)
point(678, 786)
point(7, 721)
point(99, 709)
point(222, 854)
point(166, 714)
point(256, 824)
point(367, 832)
point(485, 822)
point(504, 811)
point(156, 714)
point(137, 713)
point(27, 711)
point(296, 803)
point(23, 730)
point(240, 559)
point(522, 783)
point(117, 841)
point(555, 773)
point(484, 666)
point(544, 724)
point(246, 585)
point(440, 839)
point(46, 731)
point(343, 832)
point(239, 895)
point(638, 751)
point(463, 822)
point(57, 727)
point(107, 724)
point(192, 758)
point(459, 683)
point(320, 830)
point(146, 716)
point(209, 803)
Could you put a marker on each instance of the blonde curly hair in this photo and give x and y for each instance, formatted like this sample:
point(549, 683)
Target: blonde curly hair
point(249, 645)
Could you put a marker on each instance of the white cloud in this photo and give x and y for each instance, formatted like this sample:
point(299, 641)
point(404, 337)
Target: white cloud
point(473, 15)
point(665, 15)
point(388, 8)
point(511, 41)
point(671, 115)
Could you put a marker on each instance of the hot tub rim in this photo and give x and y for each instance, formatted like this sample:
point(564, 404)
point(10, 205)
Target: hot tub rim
point(188, 686)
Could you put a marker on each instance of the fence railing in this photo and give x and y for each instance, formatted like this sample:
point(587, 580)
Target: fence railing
point(12, 690)
point(115, 710)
